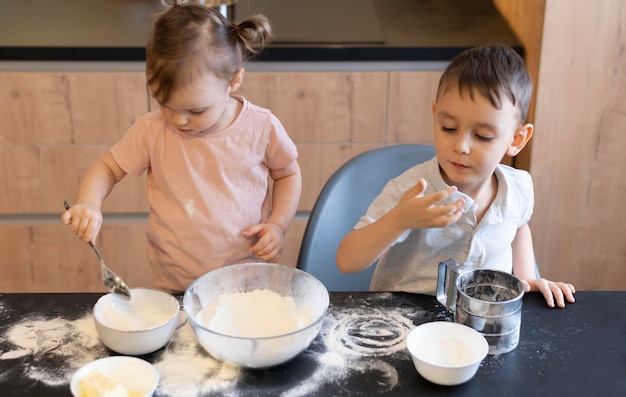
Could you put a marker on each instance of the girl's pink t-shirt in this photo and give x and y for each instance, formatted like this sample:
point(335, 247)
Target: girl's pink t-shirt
point(204, 191)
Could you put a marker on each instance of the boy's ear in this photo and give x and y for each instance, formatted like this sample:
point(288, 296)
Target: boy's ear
point(520, 139)
point(235, 83)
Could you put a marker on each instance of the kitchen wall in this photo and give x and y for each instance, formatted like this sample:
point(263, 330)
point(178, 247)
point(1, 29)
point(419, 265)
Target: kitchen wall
point(575, 51)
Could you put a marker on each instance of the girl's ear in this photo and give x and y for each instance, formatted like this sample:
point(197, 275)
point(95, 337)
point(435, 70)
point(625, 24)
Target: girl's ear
point(520, 139)
point(235, 83)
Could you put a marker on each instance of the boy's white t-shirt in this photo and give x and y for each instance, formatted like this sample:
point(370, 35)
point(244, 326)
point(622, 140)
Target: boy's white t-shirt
point(204, 191)
point(411, 263)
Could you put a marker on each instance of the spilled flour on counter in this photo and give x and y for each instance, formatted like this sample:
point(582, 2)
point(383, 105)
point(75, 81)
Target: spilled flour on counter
point(68, 345)
point(187, 370)
point(51, 350)
point(355, 341)
point(369, 332)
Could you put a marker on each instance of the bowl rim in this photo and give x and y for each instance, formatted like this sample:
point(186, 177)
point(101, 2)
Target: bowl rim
point(133, 331)
point(483, 343)
point(313, 323)
point(509, 276)
point(83, 371)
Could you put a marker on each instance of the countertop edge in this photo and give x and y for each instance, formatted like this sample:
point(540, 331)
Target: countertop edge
point(271, 54)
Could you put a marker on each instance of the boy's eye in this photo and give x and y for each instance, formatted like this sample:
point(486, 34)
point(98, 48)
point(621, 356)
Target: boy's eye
point(483, 138)
point(196, 111)
point(447, 129)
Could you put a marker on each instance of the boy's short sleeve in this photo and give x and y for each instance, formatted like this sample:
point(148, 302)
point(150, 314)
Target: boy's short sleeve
point(520, 194)
point(530, 199)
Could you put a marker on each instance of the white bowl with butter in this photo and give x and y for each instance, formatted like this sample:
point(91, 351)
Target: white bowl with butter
point(115, 376)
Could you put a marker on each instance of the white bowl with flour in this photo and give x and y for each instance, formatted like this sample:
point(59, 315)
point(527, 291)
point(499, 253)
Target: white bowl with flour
point(446, 353)
point(256, 315)
point(141, 325)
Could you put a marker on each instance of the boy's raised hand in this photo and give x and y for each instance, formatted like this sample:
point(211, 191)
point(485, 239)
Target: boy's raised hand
point(417, 211)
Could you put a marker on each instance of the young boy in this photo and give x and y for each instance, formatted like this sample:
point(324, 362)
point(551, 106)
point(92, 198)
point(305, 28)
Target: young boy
point(463, 204)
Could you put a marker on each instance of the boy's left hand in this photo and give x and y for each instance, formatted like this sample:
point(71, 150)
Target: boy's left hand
point(271, 241)
point(552, 291)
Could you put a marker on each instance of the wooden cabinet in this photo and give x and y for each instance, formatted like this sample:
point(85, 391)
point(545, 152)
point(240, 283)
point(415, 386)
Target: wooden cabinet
point(411, 95)
point(45, 256)
point(577, 160)
point(55, 124)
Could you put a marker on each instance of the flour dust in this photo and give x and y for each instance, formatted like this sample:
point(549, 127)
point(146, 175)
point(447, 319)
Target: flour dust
point(352, 341)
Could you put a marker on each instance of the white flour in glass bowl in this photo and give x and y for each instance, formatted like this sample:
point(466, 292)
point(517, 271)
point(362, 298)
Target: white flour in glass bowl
point(238, 314)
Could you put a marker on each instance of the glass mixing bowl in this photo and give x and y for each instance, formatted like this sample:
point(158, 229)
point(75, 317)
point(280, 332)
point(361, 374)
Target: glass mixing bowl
point(309, 294)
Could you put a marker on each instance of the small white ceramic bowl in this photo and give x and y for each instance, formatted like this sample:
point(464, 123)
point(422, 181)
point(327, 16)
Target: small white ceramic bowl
point(133, 373)
point(446, 353)
point(309, 294)
point(139, 326)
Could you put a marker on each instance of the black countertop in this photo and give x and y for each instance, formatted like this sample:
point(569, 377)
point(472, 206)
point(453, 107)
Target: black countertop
point(576, 351)
point(322, 30)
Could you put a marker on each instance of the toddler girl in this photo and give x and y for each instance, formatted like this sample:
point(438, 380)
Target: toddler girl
point(209, 154)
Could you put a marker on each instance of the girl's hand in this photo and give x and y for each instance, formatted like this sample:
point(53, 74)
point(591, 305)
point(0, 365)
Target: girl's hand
point(271, 241)
point(552, 291)
point(85, 219)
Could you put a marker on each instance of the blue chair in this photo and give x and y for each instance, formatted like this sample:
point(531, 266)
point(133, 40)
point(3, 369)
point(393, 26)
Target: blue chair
point(343, 200)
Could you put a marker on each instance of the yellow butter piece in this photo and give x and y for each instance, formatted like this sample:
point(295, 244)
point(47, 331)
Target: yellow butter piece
point(97, 385)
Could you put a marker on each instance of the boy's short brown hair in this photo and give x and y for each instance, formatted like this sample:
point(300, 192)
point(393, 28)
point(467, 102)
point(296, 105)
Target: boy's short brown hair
point(493, 71)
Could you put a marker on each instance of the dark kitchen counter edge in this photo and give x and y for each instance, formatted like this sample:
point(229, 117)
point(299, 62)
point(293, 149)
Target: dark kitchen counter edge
point(272, 54)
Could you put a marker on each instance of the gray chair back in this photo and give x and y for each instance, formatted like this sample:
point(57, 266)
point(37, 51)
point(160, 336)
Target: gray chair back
point(343, 200)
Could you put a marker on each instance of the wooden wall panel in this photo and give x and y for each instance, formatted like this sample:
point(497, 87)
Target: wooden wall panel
point(51, 108)
point(576, 161)
point(411, 95)
point(525, 17)
point(323, 106)
point(20, 178)
point(36, 179)
point(318, 163)
point(293, 240)
point(50, 258)
point(105, 105)
point(54, 125)
point(34, 109)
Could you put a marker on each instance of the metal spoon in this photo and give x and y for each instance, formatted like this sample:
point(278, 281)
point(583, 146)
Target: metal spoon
point(112, 281)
